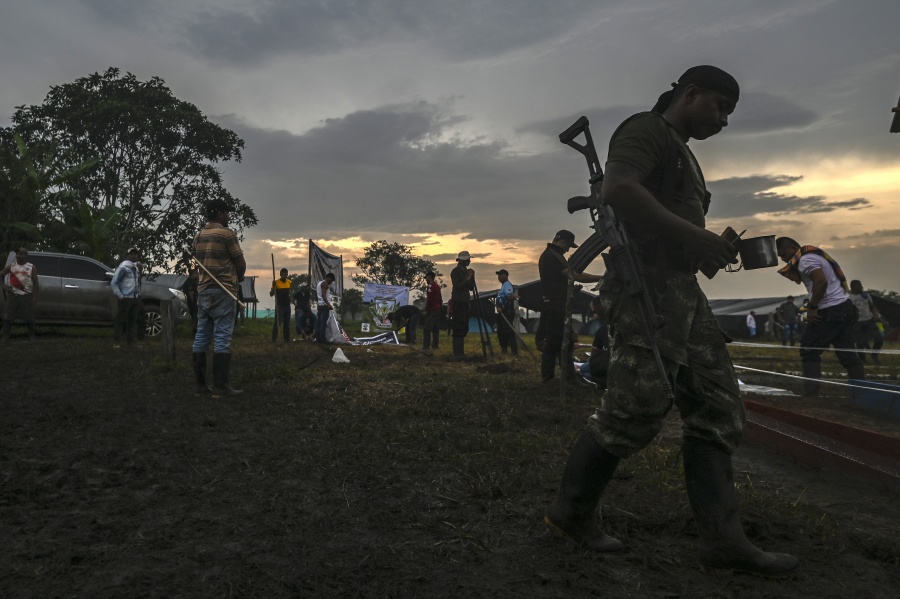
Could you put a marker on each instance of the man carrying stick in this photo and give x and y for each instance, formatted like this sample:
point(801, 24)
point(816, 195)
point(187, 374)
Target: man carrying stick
point(506, 310)
point(217, 250)
point(281, 290)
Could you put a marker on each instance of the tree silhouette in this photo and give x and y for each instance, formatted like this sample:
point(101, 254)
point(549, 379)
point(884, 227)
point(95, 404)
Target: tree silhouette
point(158, 158)
point(390, 263)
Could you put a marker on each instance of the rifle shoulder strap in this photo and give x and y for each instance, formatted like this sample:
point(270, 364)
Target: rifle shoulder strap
point(562, 259)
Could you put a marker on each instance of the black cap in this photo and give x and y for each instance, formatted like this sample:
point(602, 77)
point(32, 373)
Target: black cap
point(503, 271)
point(566, 236)
point(714, 78)
point(707, 77)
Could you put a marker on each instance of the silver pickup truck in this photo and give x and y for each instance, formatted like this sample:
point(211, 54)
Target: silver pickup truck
point(76, 290)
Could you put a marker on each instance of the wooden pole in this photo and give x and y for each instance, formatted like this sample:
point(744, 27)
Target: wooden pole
point(167, 315)
point(276, 297)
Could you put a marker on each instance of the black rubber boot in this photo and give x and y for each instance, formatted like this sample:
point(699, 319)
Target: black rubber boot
point(548, 366)
point(200, 372)
point(811, 370)
point(221, 368)
point(856, 372)
point(588, 471)
point(710, 486)
point(459, 347)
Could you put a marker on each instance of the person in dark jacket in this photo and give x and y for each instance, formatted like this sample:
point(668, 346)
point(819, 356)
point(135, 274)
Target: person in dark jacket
point(463, 279)
point(406, 316)
point(554, 271)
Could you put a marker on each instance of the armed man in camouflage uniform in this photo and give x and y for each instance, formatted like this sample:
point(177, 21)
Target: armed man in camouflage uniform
point(655, 185)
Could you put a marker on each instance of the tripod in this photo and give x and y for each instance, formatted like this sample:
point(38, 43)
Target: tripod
point(486, 344)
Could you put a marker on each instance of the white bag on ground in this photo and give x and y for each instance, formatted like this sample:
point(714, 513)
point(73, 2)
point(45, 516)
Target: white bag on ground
point(339, 357)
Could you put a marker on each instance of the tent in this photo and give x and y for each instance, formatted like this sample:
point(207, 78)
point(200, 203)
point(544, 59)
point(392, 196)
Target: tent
point(732, 313)
point(475, 323)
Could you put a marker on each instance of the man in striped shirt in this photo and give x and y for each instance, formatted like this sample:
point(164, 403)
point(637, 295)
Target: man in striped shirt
point(216, 247)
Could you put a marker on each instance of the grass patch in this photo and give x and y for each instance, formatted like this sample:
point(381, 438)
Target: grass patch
point(396, 475)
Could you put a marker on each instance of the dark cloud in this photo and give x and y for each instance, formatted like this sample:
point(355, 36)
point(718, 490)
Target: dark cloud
point(464, 29)
point(749, 196)
point(398, 169)
point(126, 14)
point(756, 113)
point(603, 122)
point(759, 112)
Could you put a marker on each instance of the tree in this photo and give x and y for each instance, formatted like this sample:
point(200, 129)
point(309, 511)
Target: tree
point(393, 264)
point(352, 302)
point(298, 280)
point(158, 160)
point(30, 182)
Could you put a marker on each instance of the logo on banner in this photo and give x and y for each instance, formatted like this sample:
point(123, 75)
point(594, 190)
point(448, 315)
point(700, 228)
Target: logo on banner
point(382, 307)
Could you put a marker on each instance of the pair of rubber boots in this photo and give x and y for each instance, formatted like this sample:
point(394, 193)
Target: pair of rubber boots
point(221, 369)
point(710, 486)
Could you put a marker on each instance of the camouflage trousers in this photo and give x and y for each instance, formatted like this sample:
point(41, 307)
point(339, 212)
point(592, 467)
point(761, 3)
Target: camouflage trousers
point(696, 360)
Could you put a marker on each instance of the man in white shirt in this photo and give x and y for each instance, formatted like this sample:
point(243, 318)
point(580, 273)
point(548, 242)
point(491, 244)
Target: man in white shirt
point(751, 323)
point(831, 317)
point(126, 284)
point(323, 302)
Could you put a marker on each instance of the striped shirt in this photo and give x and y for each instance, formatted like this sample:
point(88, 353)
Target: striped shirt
point(216, 247)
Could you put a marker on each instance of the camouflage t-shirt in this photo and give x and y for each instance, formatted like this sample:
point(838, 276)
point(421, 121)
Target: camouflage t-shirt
point(643, 142)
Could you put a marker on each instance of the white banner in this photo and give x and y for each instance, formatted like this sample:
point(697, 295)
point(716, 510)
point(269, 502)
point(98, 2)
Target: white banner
point(382, 300)
point(398, 293)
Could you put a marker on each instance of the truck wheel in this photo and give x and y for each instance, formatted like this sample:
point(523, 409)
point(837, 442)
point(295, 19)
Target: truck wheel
point(153, 320)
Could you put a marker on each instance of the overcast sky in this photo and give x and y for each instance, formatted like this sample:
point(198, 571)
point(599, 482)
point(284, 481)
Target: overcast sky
point(435, 123)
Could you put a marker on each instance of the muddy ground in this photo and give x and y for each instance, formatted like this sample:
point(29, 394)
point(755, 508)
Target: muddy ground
point(396, 475)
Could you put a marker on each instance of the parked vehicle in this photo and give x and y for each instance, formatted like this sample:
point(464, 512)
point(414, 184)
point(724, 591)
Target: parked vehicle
point(75, 290)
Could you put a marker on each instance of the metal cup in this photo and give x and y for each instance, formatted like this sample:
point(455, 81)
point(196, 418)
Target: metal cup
point(756, 252)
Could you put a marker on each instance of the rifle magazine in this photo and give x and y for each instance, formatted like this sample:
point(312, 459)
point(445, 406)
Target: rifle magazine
point(587, 252)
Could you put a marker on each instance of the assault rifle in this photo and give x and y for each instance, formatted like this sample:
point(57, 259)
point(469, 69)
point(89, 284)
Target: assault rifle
point(621, 261)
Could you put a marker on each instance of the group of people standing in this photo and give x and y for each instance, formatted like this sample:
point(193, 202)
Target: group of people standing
point(309, 326)
point(656, 186)
point(458, 310)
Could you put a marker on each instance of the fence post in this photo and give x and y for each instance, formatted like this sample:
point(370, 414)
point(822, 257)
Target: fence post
point(168, 330)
